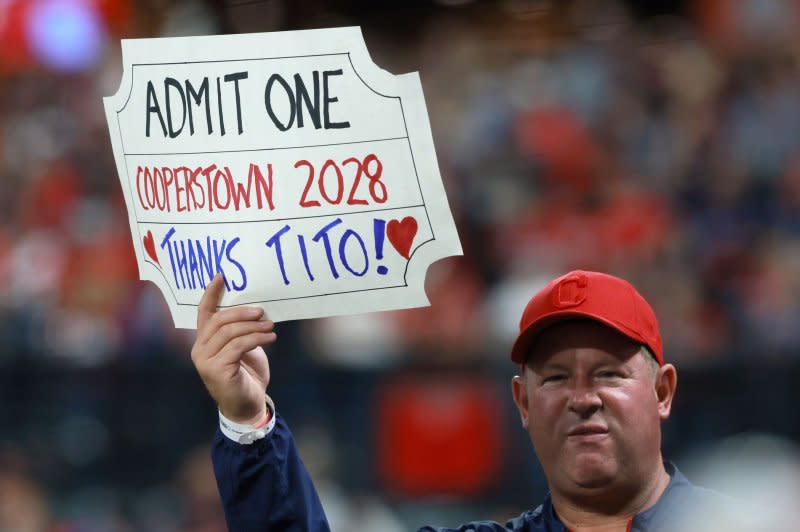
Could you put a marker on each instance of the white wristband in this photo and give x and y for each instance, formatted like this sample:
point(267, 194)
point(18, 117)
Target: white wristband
point(246, 434)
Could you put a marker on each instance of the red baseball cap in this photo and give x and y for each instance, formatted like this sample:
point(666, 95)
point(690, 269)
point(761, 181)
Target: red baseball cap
point(593, 295)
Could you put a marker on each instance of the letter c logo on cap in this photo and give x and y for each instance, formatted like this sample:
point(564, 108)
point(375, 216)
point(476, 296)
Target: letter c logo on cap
point(570, 292)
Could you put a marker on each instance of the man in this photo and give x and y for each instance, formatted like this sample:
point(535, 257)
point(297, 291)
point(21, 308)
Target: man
point(592, 393)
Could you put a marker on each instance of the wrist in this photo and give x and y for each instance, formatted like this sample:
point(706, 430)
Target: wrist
point(247, 433)
point(248, 420)
point(264, 418)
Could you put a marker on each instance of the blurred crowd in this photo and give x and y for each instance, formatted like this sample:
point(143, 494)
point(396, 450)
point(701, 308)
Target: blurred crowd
point(659, 145)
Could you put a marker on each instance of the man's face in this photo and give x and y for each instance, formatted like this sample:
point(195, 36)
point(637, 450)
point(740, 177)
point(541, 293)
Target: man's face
point(593, 407)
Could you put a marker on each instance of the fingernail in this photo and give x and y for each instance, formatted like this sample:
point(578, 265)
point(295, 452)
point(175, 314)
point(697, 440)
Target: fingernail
point(254, 312)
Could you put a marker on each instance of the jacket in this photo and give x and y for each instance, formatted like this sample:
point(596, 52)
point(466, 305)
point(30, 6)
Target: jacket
point(265, 487)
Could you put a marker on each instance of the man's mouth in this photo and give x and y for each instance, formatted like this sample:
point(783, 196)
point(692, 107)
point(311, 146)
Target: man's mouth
point(588, 432)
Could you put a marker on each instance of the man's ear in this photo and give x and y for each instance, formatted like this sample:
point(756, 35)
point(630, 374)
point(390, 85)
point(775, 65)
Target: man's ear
point(666, 383)
point(520, 394)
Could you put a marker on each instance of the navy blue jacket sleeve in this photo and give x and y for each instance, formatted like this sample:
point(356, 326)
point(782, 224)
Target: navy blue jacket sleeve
point(265, 486)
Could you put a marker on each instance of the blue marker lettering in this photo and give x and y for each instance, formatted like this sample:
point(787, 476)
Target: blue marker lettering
point(238, 265)
point(302, 242)
point(342, 255)
point(323, 234)
point(165, 243)
point(182, 263)
point(219, 251)
point(204, 261)
point(194, 267)
point(275, 241)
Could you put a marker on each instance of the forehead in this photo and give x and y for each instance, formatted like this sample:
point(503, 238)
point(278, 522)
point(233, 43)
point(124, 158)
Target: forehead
point(587, 335)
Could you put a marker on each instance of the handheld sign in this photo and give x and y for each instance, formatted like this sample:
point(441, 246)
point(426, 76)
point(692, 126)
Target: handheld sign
point(289, 163)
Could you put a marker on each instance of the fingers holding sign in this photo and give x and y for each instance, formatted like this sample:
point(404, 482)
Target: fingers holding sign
point(228, 355)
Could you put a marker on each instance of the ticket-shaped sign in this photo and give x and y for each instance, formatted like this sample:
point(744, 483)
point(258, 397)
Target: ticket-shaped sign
point(289, 163)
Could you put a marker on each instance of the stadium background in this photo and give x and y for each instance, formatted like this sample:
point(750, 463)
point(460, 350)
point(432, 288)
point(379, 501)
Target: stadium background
point(659, 141)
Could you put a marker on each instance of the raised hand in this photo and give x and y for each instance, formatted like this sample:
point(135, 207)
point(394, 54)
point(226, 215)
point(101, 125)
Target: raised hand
point(228, 355)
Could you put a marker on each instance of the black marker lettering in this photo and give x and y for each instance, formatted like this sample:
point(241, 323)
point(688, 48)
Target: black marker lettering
point(302, 96)
point(172, 82)
point(235, 79)
point(331, 99)
point(268, 102)
point(153, 107)
point(198, 97)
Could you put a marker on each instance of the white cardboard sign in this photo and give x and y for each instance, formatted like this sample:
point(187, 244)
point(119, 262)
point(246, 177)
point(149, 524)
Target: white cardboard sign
point(286, 161)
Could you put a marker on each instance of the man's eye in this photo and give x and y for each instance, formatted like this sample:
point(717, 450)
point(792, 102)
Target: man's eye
point(554, 378)
point(608, 374)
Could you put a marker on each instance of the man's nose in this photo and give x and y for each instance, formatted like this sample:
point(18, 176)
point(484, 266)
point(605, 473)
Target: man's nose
point(585, 401)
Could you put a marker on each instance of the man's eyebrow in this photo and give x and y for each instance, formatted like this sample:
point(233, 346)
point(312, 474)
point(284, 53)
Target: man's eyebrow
point(550, 366)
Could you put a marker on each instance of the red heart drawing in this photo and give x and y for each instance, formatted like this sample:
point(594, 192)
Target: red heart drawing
point(150, 246)
point(401, 234)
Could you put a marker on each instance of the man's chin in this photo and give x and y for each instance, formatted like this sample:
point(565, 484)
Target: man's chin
point(591, 473)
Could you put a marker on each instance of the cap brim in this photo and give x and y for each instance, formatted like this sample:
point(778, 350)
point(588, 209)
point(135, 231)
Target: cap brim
point(521, 347)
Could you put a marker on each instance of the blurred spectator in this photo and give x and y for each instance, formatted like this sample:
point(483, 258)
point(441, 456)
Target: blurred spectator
point(23, 503)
